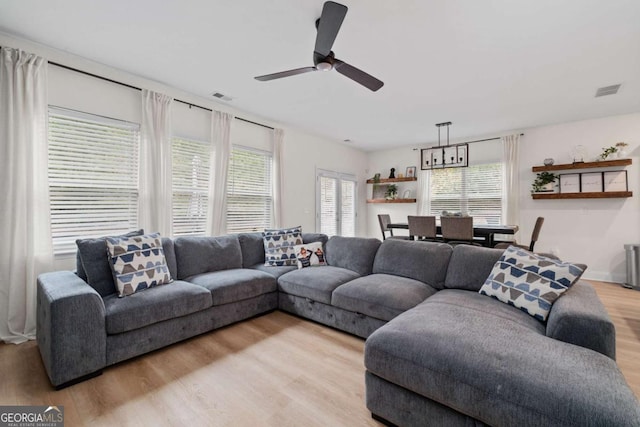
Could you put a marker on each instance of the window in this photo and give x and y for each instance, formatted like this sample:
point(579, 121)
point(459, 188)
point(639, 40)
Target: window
point(190, 163)
point(93, 176)
point(336, 205)
point(476, 190)
point(249, 190)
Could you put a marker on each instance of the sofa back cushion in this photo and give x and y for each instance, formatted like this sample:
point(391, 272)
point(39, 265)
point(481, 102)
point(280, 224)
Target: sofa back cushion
point(252, 246)
point(92, 263)
point(354, 253)
point(170, 256)
point(423, 261)
point(197, 255)
point(470, 266)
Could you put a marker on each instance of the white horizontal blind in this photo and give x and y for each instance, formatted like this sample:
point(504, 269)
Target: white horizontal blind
point(93, 176)
point(190, 186)
point(348, 208)
point(249, 190)
point(475, 190)
point(328, 205)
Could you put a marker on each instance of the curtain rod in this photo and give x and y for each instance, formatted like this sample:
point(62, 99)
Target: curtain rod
point(471, 142)
point(140, 89)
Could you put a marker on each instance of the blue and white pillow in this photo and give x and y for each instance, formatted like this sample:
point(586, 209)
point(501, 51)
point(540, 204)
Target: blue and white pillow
point(529, 281)
point(137, 262)
point(279, 246)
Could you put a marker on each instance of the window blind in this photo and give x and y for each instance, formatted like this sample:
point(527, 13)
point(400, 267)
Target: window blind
point(348, 208)
point(249, 190)
point(475, 190)
point(190, 186)
point(93, 176)
point(328, 205)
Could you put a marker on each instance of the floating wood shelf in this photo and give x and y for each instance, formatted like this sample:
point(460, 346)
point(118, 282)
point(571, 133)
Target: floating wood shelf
point(385, 180)
point(391, 201)
point(598, 195)
point(584, 165)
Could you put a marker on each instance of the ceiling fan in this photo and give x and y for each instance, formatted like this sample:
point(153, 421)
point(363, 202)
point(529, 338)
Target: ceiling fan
point(328, 26)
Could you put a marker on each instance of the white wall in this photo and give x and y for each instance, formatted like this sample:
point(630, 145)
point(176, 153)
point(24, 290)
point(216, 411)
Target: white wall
point(303, 152)
point(590, 231)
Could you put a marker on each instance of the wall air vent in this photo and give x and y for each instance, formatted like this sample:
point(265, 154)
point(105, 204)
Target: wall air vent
point(222, 96)
point(607, 90)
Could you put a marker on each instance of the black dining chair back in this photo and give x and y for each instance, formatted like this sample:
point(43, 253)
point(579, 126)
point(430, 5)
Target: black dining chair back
point(385, 220)
point(534, 237)
point(422, 227)
point(457, 230)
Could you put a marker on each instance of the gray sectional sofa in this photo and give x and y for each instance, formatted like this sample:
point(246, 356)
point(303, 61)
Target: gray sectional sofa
point(437, 352)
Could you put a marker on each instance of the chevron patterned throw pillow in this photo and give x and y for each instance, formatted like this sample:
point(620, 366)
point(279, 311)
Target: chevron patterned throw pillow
point(530, 282)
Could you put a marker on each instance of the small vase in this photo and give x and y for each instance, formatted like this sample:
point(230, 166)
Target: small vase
point(621, 153)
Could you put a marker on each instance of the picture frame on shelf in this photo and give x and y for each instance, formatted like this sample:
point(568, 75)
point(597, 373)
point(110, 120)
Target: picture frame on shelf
point(570, 183)
point(615, 181)
point(411, 172)
point(591, 182)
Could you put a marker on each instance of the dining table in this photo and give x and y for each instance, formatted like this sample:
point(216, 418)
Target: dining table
point(484, 232)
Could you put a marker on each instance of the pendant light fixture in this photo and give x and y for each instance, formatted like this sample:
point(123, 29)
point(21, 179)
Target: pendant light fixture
point(445, 156)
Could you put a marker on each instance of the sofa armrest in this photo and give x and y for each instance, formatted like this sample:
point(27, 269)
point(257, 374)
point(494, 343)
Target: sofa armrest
point(580, 318)
point(71, 331)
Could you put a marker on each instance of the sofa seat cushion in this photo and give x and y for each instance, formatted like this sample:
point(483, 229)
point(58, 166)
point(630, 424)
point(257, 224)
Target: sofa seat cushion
point(381, 296)
point(274, 271)
point(316, 283)
point(154, 305)
point(234, 285)
point(494, 363)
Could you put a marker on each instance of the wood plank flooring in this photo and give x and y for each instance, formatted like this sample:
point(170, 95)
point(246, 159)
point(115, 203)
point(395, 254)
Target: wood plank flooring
point(274, 370)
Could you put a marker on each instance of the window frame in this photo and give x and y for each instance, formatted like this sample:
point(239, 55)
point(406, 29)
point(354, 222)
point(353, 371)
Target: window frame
point(463, 196)
point(199, 225)
point(268, 198)
point(88, 185)
point(339, 177)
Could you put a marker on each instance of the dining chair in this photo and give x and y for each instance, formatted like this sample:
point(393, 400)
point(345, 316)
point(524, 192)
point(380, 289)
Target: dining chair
point(534, 237)
point(457, 230)
point(384, 221)
point(423, 227)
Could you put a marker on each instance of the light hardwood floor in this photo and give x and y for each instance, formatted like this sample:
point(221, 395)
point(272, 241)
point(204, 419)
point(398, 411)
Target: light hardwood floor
point(274, 370)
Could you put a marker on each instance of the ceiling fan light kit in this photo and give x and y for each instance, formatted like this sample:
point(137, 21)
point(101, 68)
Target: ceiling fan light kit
point(328, 26)
point(447, 156)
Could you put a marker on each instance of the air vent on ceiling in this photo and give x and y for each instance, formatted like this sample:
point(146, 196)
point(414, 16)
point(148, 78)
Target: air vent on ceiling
point(222, 96)
point(607, 90)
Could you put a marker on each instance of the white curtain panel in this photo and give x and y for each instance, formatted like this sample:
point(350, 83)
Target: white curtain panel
point(25, 231)
point(154, 201)
point(278, 179)
point(511, 184)
point(220, 152)
point(423, 195)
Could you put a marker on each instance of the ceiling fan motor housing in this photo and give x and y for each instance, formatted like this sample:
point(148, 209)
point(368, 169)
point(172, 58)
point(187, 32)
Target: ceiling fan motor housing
point(323, 63)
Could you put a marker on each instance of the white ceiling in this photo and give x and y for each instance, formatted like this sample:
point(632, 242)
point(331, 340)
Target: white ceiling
point(489, 66)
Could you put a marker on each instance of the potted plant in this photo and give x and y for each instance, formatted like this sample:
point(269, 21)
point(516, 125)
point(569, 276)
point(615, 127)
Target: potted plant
point(606, 152)
point(544, 182)
point(622, 149)
point(392, 192)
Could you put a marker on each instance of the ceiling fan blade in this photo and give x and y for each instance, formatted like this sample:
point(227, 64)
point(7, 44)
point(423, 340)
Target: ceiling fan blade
point(357, 75)
point(282, 74)
point(330, 21)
